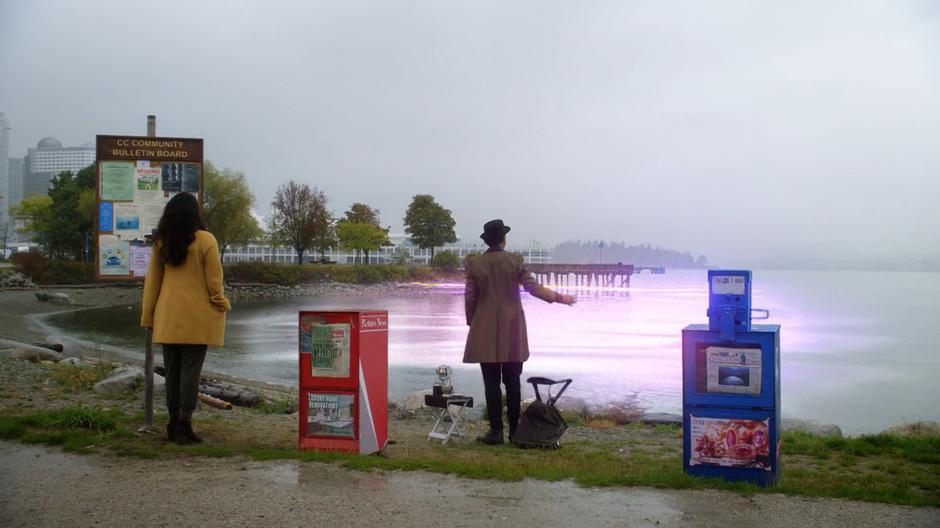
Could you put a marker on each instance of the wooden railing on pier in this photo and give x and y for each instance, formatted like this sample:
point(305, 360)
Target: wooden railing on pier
point(608, 275)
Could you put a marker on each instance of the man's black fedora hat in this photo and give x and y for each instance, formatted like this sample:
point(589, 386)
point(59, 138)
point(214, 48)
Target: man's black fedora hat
point(494, 230)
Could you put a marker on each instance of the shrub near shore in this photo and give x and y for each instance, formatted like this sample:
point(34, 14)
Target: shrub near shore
point(46, 272)
point(291, 275)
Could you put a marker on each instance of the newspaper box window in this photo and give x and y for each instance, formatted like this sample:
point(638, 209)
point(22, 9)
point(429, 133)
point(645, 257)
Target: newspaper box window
point(343, 380)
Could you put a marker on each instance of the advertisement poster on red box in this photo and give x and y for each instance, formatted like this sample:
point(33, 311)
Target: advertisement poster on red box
point(330, 415)
point(328, 346)
point(733, 443)
point(733, 370)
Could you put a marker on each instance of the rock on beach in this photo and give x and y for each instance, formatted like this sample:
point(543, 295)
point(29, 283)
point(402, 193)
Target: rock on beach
point(127, 379)
point(810, 426)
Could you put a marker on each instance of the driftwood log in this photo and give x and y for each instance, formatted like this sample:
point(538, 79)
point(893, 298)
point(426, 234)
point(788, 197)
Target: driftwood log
point(214, 402)
point(228, 392)
point(233, 394)
point(51, 346)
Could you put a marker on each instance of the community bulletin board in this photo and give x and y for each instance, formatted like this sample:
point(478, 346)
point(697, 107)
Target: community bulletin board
point(136, 177)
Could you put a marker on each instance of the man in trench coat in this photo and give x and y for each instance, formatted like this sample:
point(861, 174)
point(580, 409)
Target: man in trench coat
point(497, 339)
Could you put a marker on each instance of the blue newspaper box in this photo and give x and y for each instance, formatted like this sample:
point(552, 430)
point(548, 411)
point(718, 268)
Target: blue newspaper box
point(731, 387)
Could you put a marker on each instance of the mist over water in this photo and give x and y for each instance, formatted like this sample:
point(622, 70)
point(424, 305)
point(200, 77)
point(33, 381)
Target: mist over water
point(858, 349)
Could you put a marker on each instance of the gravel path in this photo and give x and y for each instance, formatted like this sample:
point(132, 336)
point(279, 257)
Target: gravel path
point(41, 487)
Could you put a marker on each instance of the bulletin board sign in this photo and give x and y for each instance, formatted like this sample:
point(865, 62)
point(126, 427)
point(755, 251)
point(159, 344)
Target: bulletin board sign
point(136, 177)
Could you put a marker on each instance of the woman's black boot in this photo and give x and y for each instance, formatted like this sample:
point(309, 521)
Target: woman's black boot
point(185, 435)
point(171, 428)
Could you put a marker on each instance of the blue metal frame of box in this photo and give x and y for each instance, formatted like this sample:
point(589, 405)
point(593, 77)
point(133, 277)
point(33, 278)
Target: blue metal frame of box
point(720, 381)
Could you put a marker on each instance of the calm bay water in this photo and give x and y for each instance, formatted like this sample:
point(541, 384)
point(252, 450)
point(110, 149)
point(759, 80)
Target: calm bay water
point(858, 349)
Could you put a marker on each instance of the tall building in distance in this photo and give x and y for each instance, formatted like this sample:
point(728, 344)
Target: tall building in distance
point(4, 170)
point(48, 159)
point(15, 182)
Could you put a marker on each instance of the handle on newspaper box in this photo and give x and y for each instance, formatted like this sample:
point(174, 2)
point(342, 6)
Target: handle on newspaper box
point(764, 314)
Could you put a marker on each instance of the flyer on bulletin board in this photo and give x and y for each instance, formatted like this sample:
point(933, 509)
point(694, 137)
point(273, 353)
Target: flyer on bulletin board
point(148, 178)
point(127, 221)
point(113, 255)
point(139, 259)
point(117, 181)
point(105, 216)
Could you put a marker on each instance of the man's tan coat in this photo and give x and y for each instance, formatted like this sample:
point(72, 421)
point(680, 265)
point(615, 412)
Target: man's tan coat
point(494, 307)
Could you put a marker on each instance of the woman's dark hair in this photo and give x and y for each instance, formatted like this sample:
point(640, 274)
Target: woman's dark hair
point(177, 229)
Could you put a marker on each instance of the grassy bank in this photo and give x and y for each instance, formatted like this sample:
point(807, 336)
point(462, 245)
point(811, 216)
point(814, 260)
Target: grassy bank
point(880, 468)
point(44, 272)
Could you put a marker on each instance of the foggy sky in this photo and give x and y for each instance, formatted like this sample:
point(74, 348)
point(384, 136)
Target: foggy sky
point(752, 132)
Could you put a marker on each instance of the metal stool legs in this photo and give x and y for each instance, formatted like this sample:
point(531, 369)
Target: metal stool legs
point(444, 433)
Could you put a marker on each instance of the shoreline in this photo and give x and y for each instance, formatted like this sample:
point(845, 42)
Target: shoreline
point(22, 315)
point(21, 303)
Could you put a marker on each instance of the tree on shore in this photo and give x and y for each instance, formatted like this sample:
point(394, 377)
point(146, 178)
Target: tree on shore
point(300, 219)
point(361, 230)
point(63, 220)
point(32, 214)
point(428, 223)
point(226, 209)
point(360, 213)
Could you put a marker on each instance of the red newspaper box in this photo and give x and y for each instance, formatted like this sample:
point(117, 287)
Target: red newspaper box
point(343, 380)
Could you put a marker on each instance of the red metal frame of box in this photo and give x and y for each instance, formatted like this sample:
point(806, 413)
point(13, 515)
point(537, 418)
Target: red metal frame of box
point(367, 382)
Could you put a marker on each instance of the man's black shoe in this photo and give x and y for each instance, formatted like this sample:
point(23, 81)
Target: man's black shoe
point(491, 437)
point(171, 428)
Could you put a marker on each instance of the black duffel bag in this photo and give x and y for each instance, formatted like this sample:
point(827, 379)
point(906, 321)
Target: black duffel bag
point(541, 425)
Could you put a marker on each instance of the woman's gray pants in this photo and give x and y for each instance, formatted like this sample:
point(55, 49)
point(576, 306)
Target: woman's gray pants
point(183, 365)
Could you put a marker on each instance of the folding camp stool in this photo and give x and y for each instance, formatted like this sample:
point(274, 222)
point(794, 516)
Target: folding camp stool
point(444, 402)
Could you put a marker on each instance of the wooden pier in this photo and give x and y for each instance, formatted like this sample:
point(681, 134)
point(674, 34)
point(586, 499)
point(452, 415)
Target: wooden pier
point(601, 275)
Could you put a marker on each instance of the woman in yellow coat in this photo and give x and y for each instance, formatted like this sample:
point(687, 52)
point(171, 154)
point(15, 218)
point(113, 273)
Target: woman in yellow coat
point(184, 305)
